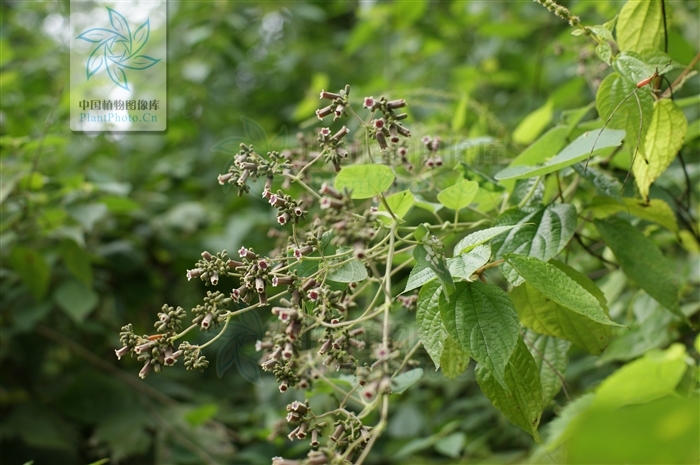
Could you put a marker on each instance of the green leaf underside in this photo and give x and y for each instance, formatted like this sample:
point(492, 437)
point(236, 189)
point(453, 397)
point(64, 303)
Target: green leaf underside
point(521, 403)
point(612, 92)
point(350, 272)
point(461, 266)
point(575, 152)
point(454, 359)
point(541, 314)
point(559, 287)
point(655, 210)
point(664, 138)
point(479, 237)
point(432, 332)
point(550, 355)
point(642, 261)
point(365, 181)
point(541, 233)
point(639, 26)
point(458, 196)
point(483, 320)
point(427, 257)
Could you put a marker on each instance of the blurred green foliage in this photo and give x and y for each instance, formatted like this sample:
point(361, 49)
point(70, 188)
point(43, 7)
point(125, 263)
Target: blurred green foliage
point(98, 229)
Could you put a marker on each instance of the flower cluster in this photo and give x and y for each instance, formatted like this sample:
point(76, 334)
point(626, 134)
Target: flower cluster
point(247, 164)
point(387, 127)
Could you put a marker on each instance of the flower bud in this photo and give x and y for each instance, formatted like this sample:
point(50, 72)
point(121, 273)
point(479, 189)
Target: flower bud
point(194, 273)
point(121, 352)
point(394, 104)
point(224, 178)
point(214, 278)
point(323, 112)
point(324, 348)
point(338, 433)
point(246, 253)
point(144, 347)
point(329, 95)
point(382, 141)
point(206, 321)
point(145, 370)
point(283, 218)
point(288, 351)
point(340, 134)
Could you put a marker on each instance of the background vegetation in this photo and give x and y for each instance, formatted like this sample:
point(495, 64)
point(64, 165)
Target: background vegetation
point(98, 230)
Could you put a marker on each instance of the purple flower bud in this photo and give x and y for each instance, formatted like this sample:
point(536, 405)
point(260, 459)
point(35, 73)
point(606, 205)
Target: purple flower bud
point(313, 295)
point(145, 370)
point(342, 132)
point(323, 112)
point(394, 104)
point(359, 248)
point(206, 321)
point(338, 433)
point(338, 343)
point(329, 95)
point(308, 284)
point(368, 103)
point(403, 131)
point(382, 141)
point(259, 285)
point(262, 298)
point(169, 357)
point(425, 140)
point(283, 386)
point(224, 178)
point(121, 352)
point(283, 218)
point(207, 256)
point(288, 351)
point(328, 190)
point(403, 151)
point(292, 330)
point(193, 273)
point(144, 347)
point(268, 183)
point(435, 144)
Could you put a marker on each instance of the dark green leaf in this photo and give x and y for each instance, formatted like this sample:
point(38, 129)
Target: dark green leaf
point(77, 261)
point(75, 299)
point(431, 329)
point(483, 320)
point(454, 359)
point(550, 355)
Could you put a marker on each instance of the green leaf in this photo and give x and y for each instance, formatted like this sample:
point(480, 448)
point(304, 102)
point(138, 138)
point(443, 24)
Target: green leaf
point(201, 414)
point(483, 320)
point(406, 380)
point(611, 97)
point(550, 355)
point(77, 261)
point(352, 271)
point(636, 68)
point(541, 314)
point(575, 152)
point(604, 52)
point(451, 445)
point(479, 237)
point(664, 138)
point(31, 266)
point(541, 233)
point(464, 265)
point(521, 403)
point(421, 231)
point(432, 332)
point(118, 205)
point(543, 148)
point(426, 256)
point(559, 287)
point(656, 210)
point(534, 123)
point(400, 203)
point(420, 274)
point(642, 261)
point(454, 359)
point(603, 182)
point(75, 299)
point(458, 196)
point(365, 181)
point(639, 26)
point(653, 376)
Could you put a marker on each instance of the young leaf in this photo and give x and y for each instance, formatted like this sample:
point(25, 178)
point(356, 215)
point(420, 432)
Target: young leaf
point(426, 255)
point(559, 287)
point(351, 272)
point(400, 203)
point(459, 195)
point(479, 237)
point(655, 210)
point(575, 152)
point(664, 138)
point(541, 314)
point(464, 265)
point(365, 181)
point(635, 68)
point(521, 403)
point(541, 233)
point(611, 93)
point(642, 261)
point(77, 261)
point(454, 359)
point(550, 355)
point(639, 26)
point(431, 329)
point(482, 319)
